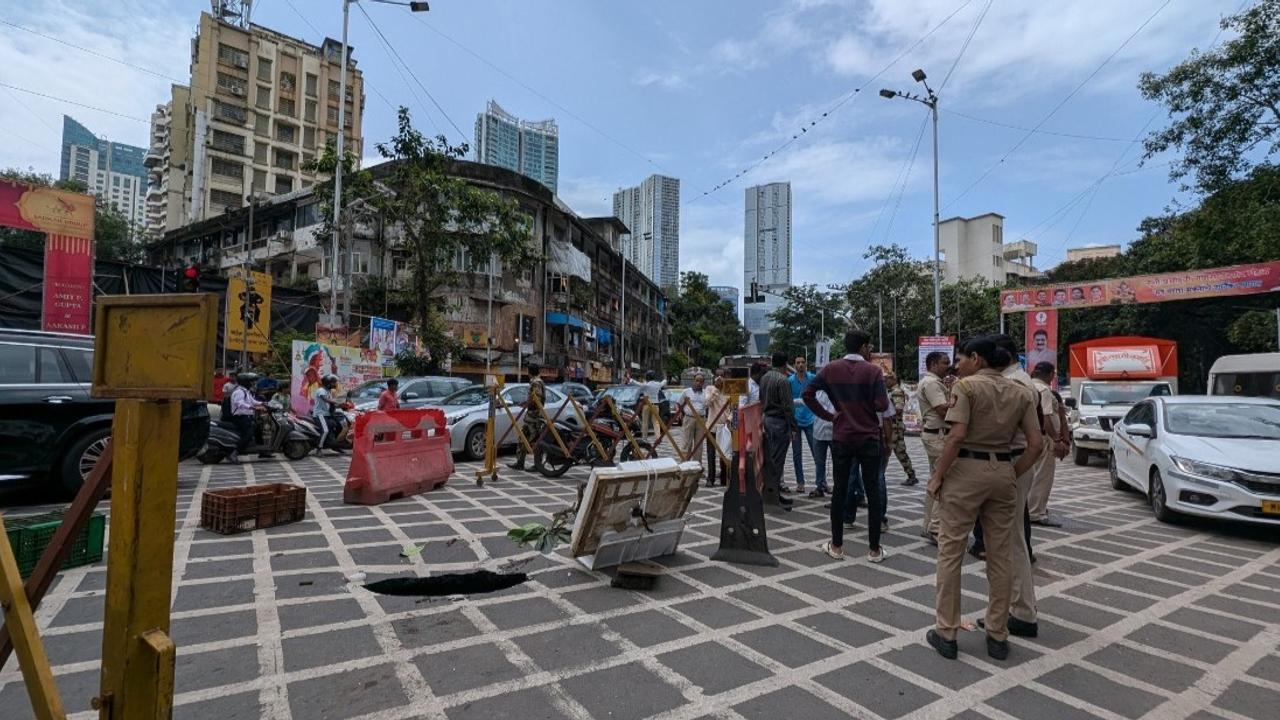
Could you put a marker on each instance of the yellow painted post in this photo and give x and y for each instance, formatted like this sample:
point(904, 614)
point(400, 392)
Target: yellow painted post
point(144, 496)
point(586, 425)
point(551, 422)
point(631, 439)
point(490, 469)
point(32, 660)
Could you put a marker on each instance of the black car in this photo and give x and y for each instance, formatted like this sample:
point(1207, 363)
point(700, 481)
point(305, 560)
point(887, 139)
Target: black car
point(49, 426)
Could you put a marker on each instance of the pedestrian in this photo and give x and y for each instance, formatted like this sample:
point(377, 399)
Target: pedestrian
point(933, 398)
point(804, 420)
point(1046, 465)
point(857, 391)
point(531, 418)
point(243, 408)
point(779, 422)
point(718, 415)
point(975, 477)
point(898, 396)
point(693, 401)
point(322, 409)
point(389, 399)
point(858, 484)
point(821, 446)
point(651, 393)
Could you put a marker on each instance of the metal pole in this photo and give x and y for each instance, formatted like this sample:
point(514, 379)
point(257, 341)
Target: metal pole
point(488, 340)
point(248, 288)
point(880, 321)
point(937, 241)
point(622, 324)
point(895, 329)
point(337, 171)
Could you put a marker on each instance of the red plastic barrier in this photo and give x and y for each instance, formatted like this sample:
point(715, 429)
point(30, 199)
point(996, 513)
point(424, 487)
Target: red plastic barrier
point(750, 444)
point(396, 454)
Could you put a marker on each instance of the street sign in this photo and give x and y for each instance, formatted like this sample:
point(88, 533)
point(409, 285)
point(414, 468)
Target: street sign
point(822, 353)
point(248, 321)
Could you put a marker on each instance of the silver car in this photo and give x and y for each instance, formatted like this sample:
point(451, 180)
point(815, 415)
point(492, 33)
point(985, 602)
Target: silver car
point(414, 392)
point(467, 412)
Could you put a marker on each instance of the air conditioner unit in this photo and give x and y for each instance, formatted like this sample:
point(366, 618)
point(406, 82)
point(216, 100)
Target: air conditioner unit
point(238, 91)
point(241, 62)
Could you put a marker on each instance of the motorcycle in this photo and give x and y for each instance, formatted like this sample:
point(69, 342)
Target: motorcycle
point(582, 451)
point(278, 433)
point(340, 424)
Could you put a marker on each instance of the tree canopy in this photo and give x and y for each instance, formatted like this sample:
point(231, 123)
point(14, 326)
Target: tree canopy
point(704, 327)
point(798, 324)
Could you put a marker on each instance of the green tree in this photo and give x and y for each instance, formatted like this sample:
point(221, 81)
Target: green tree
point(113, 238)
point(1225, 102)
point(704, 327)
point(798, 323)
point(1254, 331)
point(439, 217)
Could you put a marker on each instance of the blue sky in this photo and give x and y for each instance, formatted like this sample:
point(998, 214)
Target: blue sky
point(702, 91)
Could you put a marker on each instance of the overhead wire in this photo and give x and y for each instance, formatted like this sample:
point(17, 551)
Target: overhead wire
point(404, 79)
point(1054, 110)
point(906, 178)
point(997, 123)
point(316, 30)
point(73, 102)
point(94, 53)
point(965, 46)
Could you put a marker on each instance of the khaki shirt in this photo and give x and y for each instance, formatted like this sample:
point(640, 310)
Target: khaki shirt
point(1048, 407)
point(931, 394)
point(538, 389)
point(1017, 374)
point(994, 409)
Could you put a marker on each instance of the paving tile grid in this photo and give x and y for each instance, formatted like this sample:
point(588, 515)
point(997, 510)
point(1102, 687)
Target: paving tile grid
point(1138, 619)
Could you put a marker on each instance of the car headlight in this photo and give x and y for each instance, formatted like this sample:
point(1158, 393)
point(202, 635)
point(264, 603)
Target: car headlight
point(1089, 420)
point(1205, 470)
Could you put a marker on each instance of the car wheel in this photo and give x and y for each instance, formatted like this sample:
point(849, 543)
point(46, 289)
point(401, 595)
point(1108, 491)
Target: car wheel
point(1081, 456)
point(80, 457)
point(1159, 500)
point(475, 443)
point(1116, 482)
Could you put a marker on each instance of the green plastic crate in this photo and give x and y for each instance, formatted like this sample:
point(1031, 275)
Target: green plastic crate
point(29, 536)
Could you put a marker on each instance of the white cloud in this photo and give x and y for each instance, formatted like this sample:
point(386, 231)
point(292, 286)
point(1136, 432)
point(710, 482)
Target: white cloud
point(588, 196)
point(670, 81)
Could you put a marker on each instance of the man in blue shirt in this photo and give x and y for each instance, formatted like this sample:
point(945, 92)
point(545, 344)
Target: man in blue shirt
point(804, 419)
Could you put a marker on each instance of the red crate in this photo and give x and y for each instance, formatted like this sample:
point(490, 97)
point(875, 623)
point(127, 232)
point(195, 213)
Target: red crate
point(234, 510)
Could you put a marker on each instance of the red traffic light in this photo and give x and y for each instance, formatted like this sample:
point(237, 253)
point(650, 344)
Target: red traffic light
point(191, 278)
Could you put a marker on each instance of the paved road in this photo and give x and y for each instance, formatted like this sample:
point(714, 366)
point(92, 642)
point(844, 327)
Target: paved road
point(1138, 619)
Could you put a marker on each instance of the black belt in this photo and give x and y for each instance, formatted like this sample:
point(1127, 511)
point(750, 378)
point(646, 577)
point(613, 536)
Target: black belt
point(983, 455)
point(933, 431)
point(1017, 451)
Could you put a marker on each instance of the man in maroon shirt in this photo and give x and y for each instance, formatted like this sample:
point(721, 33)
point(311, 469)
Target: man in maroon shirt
point(856, 389)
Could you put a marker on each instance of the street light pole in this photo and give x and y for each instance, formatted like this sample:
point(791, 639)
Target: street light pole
point(930, 101)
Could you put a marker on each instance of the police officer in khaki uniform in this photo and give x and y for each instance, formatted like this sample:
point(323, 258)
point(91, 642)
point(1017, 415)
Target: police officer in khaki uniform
point(1042, 484)
point(532, 420)
point(975, 477)
point(898, 396)
point(933, 397)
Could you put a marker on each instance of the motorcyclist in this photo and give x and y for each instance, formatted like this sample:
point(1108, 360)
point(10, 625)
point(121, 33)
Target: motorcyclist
point(243, 407)
point(324, 408)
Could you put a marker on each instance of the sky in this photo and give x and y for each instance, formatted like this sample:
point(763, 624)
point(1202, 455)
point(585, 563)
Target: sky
point(708, 92)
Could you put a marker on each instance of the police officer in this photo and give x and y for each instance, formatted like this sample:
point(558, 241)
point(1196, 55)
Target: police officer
point(976, 476)
point(532, 419)
point(934, 398)
point(898, 396)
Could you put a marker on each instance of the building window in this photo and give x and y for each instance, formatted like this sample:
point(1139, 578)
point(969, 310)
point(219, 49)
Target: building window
point(224, 198)
point(264, 69)
point(288, 81)
point(285, 160)
point(264, 97)
point(288, 107)
point(229, 112)
point(228, 142)
point(228, 168)
point(334, 89)
point(284, 184)
point(260, 151)
point(307, 215)
point(333, 114)
point(286, 133)
point(259, 180)
point(232, 84)
point(307, 159)
point(262, 125)
point(233, 56)
point(359, 264)
point(312, 82)
point(309, 111)
point(308, 137)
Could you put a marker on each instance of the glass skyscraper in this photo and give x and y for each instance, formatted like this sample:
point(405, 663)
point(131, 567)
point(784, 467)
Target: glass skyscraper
point(651, 211)
point(766, 258)
point(529, 148)
point(112, 171)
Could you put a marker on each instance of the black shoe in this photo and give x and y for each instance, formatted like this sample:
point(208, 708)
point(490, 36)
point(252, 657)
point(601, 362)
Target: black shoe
point(978, 551)
point(784, 489)
point(1020, 628)
point(909, 482)
point(517, 465)
point(819, 493)
point(946, 648)
point(998, 649)
point(266, 456)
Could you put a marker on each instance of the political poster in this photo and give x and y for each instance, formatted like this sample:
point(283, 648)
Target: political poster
point(248, 320)
point(1042, 338)
point(382, 340)
point(1189, 285)
point(935, 343)
point(67, 219)
point(312, 361)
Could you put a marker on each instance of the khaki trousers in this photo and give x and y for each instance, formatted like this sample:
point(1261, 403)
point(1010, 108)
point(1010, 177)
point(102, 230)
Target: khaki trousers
point(1023, 606)
point(976, 489)
point(1043, 471)
point(933, 444)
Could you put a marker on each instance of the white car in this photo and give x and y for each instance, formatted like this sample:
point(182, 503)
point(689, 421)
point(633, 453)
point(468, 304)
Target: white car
point(1216, 457)
point(467, 416)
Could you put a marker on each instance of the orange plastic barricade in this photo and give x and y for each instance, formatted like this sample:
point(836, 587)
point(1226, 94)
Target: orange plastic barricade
point(396, 454)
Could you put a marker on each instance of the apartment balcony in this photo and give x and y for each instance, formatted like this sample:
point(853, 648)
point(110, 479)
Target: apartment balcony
point(153, 159)
point(1019, 249)
point(280, 243)
point(310, 240)
point(1018, 270)
point(233, 258)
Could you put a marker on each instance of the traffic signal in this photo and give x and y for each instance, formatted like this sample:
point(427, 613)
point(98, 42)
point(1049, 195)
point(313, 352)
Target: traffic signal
point(191, 279)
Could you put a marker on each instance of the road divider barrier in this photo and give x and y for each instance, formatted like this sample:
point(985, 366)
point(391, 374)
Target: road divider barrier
point(743, 537)
point(396, 454)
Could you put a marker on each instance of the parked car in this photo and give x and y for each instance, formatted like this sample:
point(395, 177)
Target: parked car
point(672, 395)
point(467, 413)
point(49, 426)
point(1209, 456)
point(414, 392)
point(577, 391)
point(623, 396)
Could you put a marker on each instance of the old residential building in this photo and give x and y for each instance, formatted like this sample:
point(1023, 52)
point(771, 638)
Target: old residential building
point(974, 248)
point(259, 106)
point(566, 312)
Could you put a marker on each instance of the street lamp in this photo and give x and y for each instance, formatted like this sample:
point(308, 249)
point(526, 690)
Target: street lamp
point(342, 125)
point(930, 100)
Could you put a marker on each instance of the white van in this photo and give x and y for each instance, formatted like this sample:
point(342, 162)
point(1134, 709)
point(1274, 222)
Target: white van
point(1255, 375)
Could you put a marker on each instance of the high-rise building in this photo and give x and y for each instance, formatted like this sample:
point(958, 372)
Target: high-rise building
point(113, 171)
point(651, 211)
point(531, 148)
point(727, 293)
point(766, 258)
point(260, 106)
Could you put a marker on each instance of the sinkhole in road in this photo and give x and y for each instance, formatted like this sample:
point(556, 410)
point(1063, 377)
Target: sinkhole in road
point(471, 583)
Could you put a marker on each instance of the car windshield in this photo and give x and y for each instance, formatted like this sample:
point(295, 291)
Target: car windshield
point(1224, 420)
point(624, 394)
point(1120, 393)
point(470, 396)
point(368, 390)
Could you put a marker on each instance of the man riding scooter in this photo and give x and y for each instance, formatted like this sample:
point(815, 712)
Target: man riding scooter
point(243, 408)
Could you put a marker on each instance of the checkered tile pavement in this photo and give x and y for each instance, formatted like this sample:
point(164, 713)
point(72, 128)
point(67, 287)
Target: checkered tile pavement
point(1138, 619)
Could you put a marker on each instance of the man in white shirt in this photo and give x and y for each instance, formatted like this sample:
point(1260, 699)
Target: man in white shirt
point(694, 400)
point(243, 407)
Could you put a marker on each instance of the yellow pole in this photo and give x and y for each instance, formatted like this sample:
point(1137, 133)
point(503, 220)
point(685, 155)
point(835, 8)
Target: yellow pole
point(32, 660)
point(490, 468)
point(586, 425)
point(137, 655)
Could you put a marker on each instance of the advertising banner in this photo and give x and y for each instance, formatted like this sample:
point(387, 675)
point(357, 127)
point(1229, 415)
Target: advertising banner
point(935, 343)
point(67, 219)
point(382, 340)
point(312, 361)
point(822, 353)
point(248, 322)
point(1138, 362)
point(1189, 285)
point(1042, 338)
point(884, 360)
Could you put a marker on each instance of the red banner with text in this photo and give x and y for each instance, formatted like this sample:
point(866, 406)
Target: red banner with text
point(67, 220)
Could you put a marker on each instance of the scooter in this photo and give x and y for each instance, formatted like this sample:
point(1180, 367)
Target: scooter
point(339, 438)
point(278, 432)
point(583, 452)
